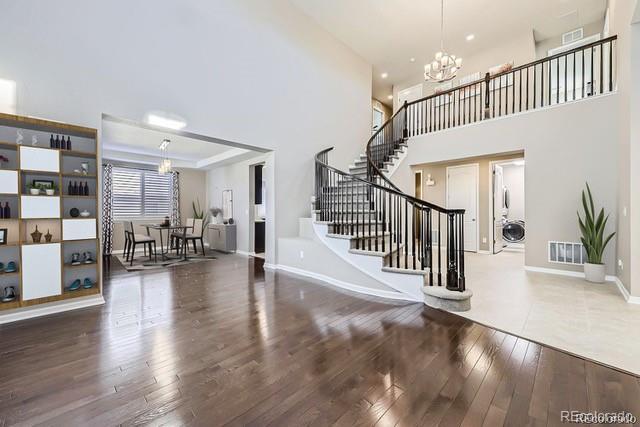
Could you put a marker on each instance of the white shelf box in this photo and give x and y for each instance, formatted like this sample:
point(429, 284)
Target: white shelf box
point(38, 207)
point(8, 182)
point(78, 229)
point(41, 271)
point(39, 159)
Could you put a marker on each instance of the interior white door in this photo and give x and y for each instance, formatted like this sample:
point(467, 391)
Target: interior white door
point(498, 207)
point(462, 193)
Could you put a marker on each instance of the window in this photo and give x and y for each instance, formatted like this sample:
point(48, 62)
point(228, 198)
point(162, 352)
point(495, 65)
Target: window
point(139, 193)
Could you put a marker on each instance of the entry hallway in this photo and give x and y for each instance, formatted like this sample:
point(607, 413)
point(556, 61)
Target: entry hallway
point(221, 342)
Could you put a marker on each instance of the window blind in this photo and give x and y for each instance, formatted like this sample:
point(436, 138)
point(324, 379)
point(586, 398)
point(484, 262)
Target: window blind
point(139, 193)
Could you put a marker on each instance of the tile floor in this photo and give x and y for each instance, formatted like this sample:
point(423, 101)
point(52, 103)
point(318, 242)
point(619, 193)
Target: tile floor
point(590, 320)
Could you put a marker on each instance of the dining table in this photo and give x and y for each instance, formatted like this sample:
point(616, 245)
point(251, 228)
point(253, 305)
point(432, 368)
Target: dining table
point(164, 254)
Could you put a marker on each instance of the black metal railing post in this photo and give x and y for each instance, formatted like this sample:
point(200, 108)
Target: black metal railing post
point(405, 130)
point(487, 111)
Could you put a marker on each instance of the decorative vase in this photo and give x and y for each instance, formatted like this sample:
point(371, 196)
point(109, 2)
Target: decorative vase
point(34, 191)
point(48, 236)
point(594, 272)
point(50, 191)
point(74, 212)
point(36, 236)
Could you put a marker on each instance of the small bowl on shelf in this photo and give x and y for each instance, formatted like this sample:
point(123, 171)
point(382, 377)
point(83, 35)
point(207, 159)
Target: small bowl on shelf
point(85, 214)
point(50, 191)
point(34, 191)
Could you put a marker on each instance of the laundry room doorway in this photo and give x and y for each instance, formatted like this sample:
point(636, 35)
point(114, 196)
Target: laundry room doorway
point(507, 202)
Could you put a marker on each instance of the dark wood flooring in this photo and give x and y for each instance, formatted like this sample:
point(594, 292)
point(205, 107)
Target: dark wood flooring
point(221, 342)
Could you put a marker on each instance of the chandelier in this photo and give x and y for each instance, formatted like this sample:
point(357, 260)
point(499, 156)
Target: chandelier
point(444, 67)
point(165, 163)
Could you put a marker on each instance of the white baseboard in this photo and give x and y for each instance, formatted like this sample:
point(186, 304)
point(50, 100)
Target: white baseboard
point(50, 308)
point(340, 284)
point(614, 279)
point(625, 293)
point(482, 251)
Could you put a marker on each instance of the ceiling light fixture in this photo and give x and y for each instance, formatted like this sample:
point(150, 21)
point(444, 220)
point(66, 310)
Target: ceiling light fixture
point(412, 59)
point(165, 120)
point(390, 97)
point(384, 75)
point(470, 37)
point(165, 163)
point(445, 66)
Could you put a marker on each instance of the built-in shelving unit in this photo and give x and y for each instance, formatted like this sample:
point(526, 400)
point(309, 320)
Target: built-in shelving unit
point(44, 258)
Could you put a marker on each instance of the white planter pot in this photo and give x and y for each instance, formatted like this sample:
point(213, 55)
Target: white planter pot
point(34, 191)
point(594, 272)
point(50, 192)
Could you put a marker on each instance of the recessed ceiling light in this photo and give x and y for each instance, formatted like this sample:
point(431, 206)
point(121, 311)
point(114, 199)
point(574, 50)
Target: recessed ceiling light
point(412, 60)
point(470, 37)
point(165, 120)
point(390, 97)
point(384, 75)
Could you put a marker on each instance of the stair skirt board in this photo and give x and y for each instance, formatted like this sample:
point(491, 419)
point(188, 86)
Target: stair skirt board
point(344, 285)
point(408, 284)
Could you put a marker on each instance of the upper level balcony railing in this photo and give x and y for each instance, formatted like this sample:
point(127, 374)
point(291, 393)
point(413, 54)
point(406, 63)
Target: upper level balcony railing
point(568, 76)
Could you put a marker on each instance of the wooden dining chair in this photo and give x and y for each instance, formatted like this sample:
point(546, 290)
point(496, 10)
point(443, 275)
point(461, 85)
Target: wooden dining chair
point(132, 240)
point(178, 234)
point(196, 234)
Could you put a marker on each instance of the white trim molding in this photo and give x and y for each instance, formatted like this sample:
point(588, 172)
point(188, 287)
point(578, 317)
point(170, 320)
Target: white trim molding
point(51, 308)
point(344, 285)
point(580, 275)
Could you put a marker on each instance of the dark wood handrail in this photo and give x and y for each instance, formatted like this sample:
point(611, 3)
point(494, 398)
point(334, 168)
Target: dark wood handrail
point(513, 70)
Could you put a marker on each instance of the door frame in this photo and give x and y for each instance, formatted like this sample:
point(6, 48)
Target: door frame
point(476, 166)
point(419, 172)
point(491, 168)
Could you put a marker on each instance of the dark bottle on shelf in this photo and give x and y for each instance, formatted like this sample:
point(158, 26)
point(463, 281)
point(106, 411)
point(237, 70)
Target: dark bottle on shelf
point(52, 143)
point(57, 142)
point(68, 143)
point(6, 211)
point(86, 188)
point(70, 189)
point(1, 212)
point(75, 188)
point(63, 144)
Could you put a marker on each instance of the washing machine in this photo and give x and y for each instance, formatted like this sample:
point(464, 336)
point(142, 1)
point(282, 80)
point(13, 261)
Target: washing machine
point(513, 231)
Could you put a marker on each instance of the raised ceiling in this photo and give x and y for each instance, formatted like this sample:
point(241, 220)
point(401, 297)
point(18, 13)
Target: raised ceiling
point(388, 33)
point(127, 142)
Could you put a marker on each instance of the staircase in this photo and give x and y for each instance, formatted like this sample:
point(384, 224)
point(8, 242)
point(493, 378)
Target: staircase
point(411, 245)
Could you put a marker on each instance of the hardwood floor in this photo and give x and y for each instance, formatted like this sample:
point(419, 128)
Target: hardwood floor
point(222, 342)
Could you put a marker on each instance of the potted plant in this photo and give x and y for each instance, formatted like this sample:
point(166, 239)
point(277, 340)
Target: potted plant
point(33, 189)
point(593, 240)
point(50, 191)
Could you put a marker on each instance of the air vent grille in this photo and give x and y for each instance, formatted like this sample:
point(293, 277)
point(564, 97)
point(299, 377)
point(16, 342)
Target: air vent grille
point(572, 36)
point(567, 253)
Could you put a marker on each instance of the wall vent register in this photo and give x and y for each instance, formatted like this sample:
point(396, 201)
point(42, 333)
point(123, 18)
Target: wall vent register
point(567, 253)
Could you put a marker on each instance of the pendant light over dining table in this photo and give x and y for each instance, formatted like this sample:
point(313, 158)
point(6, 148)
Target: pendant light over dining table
point(165, 163)
point(444, 67)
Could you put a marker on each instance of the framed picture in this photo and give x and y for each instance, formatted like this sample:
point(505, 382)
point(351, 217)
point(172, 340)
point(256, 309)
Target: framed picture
point(3, 236)
point(45, 183)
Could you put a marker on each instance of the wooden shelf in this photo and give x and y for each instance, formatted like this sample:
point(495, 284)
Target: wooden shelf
point(80, 292)
point(78, 218)
point(8, 145)
point(15, 273)
point(9, 219)
point(74, 153)
point(32, 172)
point(10, 305)
point(39, 195)
point(10, 245)
point(78, 175)
point(40, 243)
point(66, 196)
point(64, 242)
point(70, 266)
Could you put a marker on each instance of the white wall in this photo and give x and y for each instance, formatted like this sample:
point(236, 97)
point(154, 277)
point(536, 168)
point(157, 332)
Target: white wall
point(520, 49)
point(251, 71)
point(514, 181)
point(564, 146)
point(236, 177)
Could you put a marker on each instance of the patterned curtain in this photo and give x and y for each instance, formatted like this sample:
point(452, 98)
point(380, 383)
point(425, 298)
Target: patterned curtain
point(175, 198)
point(107, 209)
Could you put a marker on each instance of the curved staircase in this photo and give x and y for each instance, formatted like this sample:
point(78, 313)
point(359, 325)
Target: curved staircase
point(394, 238)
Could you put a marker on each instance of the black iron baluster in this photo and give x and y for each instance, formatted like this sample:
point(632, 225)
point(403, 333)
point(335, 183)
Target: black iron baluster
point(439, 250)
point(573, 96)
point(582, 64)
point(601, 68)
point(413, 234)
point(591, 89)
point(406, 233)
point(565, 77)
point(611, 66)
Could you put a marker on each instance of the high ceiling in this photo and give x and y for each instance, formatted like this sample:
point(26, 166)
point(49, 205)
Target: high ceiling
point(127, 142)
point(387, 33)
